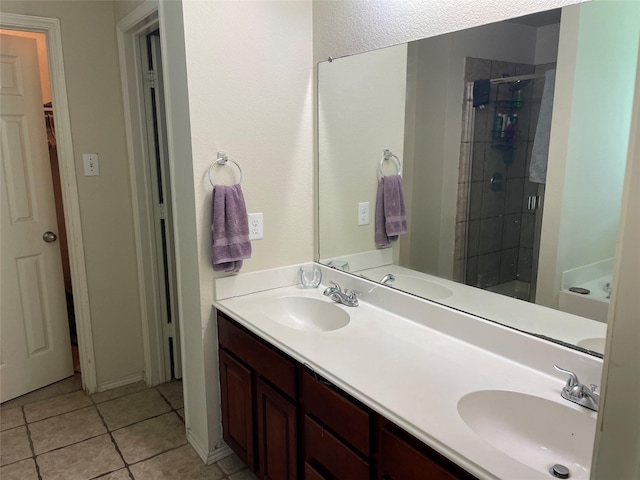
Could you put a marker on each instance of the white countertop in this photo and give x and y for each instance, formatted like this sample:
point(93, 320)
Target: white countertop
point(414, 370)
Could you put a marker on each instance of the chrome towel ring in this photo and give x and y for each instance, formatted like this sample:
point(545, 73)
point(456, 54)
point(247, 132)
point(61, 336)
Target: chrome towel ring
point(222, 160)
point(388, 155)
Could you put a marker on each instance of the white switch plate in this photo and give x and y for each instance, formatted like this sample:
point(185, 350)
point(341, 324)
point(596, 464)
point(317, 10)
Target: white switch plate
point(363, 213)
point(255, 226)
point(91, 165)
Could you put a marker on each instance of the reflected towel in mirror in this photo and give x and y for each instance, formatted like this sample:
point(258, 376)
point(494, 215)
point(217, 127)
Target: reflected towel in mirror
point(230, 243)
point(391, 219)
point(540, 151)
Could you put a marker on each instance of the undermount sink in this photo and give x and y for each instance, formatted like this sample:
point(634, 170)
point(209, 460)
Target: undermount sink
point(309, 314)
point(420, 286)
point(534, 431)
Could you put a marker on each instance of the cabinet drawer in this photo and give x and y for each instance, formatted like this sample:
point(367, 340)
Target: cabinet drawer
point(400, 460)
point(325, 450)
point(266, 361)
point(338, 413)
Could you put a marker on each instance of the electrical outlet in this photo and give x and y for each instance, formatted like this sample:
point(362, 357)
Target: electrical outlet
point(91, 165)
point(363, 213)
point(255, 226)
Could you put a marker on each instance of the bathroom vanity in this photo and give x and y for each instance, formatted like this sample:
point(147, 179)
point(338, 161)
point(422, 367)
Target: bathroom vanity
point(397, 387)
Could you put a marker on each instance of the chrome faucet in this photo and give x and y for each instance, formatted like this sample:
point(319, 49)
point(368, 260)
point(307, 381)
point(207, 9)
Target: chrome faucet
point(578, 393)
point(335, 293)
point(388, 278)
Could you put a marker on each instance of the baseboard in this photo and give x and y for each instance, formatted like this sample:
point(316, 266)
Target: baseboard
point(209, 457)
point(136, 377)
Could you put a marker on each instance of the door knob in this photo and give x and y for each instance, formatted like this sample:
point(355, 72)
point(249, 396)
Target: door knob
point(49, 237)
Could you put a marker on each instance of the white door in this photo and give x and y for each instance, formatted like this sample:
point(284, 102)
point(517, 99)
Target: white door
point(35, 349)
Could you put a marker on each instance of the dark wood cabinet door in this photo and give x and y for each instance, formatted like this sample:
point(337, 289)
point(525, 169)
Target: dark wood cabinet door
point(277, 432)
point(236, 391)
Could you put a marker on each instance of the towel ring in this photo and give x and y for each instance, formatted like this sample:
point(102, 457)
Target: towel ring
point(388, 155)
point(222, 160)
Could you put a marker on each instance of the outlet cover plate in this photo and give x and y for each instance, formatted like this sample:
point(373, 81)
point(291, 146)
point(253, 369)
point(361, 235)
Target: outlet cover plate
point(363, 213)
point(256, 231)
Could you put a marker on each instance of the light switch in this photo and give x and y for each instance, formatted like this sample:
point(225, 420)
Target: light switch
point(91, 166)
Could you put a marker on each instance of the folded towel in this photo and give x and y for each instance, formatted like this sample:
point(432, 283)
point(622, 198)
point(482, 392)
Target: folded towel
point(391, 219)
point(229, 229)
point(481, 92)
point(540, 150)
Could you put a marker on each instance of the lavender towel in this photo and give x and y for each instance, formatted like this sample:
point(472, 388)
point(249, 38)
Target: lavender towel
point(391, 219)
point(229, 229)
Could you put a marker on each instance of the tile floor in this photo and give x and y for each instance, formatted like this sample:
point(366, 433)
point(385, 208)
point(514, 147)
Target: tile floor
point(131, 432)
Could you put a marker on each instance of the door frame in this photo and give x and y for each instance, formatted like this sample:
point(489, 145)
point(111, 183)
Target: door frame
point(141, 21)
point(70, 196)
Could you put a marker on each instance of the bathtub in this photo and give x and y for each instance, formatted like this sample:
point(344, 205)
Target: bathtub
point(597, 279)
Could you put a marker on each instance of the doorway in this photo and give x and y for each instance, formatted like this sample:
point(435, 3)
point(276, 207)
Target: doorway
point(38, 312)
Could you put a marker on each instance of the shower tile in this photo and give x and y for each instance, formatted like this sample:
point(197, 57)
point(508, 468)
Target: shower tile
point(508, 265)
point(511, 230)
point(494, 163)
point(472, 271)
point(490, 235)
point(460, 230)
point(477, 161)
point(488, 270)
point(515, 188)
point(492, 202)
point(462, 202)
point(525, 263)
point(499, 69)
point(482, 124)
point(476, 69)
point(458, 270)
point(475, 200)
point(527, 232)
point(464, 161)
point(517, 167)
point(525, 69)
point(473, 238)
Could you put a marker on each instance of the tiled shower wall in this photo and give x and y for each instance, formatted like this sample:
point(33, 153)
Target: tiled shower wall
point(498, 226)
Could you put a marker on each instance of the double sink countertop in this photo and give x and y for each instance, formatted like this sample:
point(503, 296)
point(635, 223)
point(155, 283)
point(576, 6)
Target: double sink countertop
point(414, 361)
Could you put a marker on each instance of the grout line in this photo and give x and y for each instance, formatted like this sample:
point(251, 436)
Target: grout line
point(33, 451)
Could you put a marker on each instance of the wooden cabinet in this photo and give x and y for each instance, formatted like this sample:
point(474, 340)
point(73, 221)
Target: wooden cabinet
point(315, 432)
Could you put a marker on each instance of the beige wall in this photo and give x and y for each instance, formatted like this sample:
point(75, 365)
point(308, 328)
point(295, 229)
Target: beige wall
point(95, 104)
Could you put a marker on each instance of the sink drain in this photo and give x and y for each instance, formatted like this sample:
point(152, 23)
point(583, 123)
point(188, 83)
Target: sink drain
point(559, 471)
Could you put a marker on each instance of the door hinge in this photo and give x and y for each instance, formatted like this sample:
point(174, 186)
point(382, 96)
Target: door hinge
point(151, 78)
point(171, 332)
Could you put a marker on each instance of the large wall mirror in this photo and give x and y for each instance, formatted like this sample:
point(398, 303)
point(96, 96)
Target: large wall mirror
point(511, 140)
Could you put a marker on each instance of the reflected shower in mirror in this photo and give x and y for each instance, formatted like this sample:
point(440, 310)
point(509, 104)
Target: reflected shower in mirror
point(512, 140)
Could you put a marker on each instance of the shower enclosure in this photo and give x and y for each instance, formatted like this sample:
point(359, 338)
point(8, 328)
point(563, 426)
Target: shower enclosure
point(501, 213)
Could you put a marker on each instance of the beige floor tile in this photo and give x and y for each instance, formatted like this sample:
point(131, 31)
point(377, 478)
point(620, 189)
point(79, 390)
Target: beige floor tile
point(182, 463)
point(151, 437)
point(172, 391)
point(243, 475)
point(23, 470)
point(133, 408)
point(231, 464)
point(63, 430)
point(80, 461)
point(122, 474)
point(11, 417)
point(180, 412)
point(119, 392)
point(14, 445)
point(62, 387)
point(56, 406)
